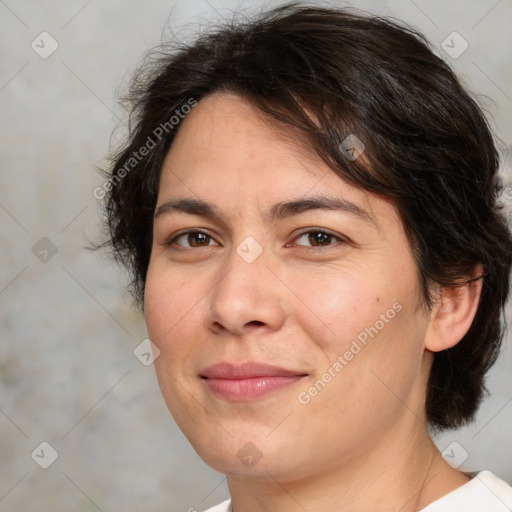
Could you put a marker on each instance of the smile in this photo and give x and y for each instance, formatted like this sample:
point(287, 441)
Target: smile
point(247, 381)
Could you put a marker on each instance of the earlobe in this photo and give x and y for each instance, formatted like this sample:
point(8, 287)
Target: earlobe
point(452, 315)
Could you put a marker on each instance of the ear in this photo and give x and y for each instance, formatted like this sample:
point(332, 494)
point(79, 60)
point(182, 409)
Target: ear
point(452, 316)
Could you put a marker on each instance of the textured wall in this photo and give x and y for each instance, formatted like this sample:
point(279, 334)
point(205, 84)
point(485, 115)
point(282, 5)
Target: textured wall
point(68, 375)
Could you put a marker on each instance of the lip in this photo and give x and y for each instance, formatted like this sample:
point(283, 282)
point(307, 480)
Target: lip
point(247, 381)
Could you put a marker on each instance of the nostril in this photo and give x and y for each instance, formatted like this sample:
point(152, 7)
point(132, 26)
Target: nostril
point(216, 327)
point(255, 322)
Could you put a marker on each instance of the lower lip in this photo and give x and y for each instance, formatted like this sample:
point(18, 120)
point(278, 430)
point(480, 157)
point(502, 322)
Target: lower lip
point(250, 388)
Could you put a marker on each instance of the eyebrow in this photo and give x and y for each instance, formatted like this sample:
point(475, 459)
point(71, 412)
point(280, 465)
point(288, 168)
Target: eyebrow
point(277, 212)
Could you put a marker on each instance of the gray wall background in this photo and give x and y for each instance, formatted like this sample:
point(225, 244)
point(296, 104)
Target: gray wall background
point(68, 375)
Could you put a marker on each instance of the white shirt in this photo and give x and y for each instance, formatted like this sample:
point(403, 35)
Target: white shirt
point(485, 492)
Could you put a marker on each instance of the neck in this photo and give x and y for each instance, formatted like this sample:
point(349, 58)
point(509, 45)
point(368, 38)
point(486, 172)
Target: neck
point(404, 472)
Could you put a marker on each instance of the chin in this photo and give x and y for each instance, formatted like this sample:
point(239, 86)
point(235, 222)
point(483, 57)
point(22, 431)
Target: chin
point(261, 459)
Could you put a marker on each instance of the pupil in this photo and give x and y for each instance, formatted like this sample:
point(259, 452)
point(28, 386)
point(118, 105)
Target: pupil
point(318, 237)
point(197, 239)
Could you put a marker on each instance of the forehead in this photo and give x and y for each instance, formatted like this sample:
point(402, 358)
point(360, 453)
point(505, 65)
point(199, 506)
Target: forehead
point(227, 150)
point(225, 132)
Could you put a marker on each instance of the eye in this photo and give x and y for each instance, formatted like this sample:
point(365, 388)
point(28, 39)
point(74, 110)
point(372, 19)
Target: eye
point(318, 238)
point(191, 239)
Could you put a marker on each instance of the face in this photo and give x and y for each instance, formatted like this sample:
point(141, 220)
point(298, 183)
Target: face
point(284, 301)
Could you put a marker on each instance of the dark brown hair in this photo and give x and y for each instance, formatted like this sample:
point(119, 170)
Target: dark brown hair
point(428, 146)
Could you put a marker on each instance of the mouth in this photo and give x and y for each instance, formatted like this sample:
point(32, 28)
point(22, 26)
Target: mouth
point(248, 381)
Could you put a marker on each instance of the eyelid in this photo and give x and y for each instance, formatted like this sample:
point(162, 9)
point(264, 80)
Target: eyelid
point(171, 241)
point(340, 238)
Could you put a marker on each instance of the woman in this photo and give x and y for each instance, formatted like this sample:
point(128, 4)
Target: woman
point(307, 203)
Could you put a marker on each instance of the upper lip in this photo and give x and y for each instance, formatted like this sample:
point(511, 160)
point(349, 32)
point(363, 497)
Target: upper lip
point(247, 371)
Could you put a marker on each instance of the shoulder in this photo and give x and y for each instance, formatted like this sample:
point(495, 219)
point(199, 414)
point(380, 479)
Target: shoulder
point(225, 506)
point(485, 492)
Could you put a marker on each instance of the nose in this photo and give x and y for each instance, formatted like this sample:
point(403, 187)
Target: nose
point(247, 297)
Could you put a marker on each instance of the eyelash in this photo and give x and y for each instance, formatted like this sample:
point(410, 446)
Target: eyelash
point(338, 238)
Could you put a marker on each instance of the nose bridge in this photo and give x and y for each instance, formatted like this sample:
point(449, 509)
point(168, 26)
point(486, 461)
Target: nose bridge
point(245, 294)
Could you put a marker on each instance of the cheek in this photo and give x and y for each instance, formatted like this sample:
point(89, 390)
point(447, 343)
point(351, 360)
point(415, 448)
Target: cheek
point(156, 309)
point(167, 306)
point(341, 307)
point(370, 318)
point(171, 320)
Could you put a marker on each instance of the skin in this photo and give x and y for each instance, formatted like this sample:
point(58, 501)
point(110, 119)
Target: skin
point(299, 306)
